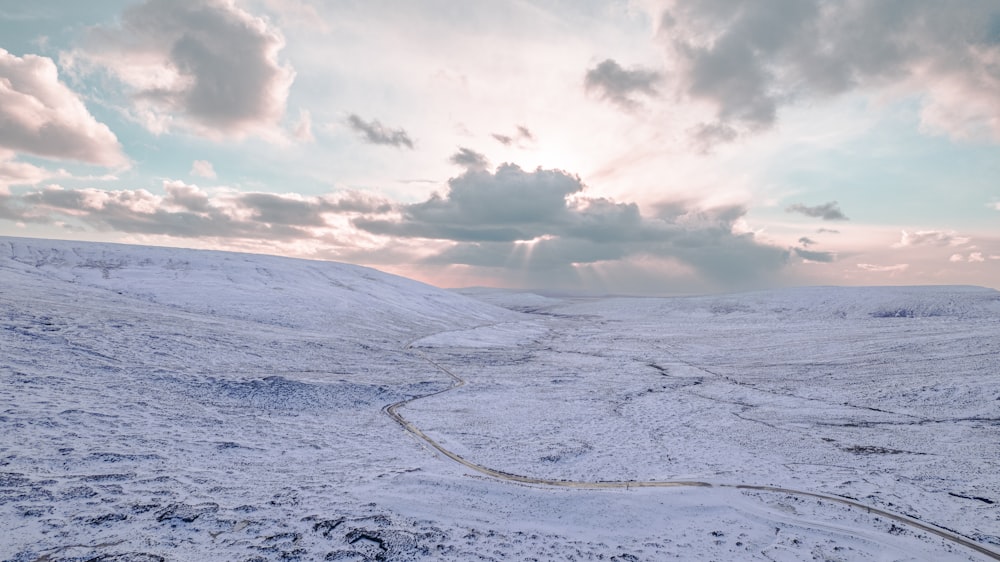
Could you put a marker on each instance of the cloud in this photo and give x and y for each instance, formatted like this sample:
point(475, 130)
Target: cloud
point(931, 238)
point(827, 231)
point(186, 211)
point(13, 172)
point(541, 221)
point(823, 257)
point(203, 169)
point(748, 60)
point(468, 158)
point(302, 129)
point(806, 241)
point(974, 257)
point(705, 136)
point(284, 210)
point(376, 133)
point(520, 136)
point(530, 227)
point(208, 63)
point(507, 205)
point(299, 12)
point(619, 85)
point(186, 197)
point(827, 211)
point(884, 268)
point(39, 115)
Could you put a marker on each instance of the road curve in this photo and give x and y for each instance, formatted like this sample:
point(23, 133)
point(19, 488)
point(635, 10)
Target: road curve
point(392, 410)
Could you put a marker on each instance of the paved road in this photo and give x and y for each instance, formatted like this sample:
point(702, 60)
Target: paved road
point(392, 411)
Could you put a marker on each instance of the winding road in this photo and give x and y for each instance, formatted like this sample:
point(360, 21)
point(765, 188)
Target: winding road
point(392, 410)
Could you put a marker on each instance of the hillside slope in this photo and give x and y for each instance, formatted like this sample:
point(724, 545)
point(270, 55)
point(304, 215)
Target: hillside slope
point(333, 298)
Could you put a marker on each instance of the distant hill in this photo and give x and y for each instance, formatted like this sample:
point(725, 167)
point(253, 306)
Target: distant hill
point(810, 303)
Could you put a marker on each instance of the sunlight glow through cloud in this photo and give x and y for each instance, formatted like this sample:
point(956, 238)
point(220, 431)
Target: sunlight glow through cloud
point(657, 146)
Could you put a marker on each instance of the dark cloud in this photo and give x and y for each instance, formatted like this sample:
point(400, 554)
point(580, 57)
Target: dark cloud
point(507, 205)
point(39, 115)
point(294, 210)
point(706, 136)
point(7, 212)
point(806, 241)
point(376, 133)
point(731, 70)
point(468, 158)
point(827, 211)
point(58, 198)
point(539, 220)
point(276, 209)
point(521, 136)
point(824, 257)
point(209, 61)
point(619, 85)
point(729, 259)
point(750, 58)
point(509, 196)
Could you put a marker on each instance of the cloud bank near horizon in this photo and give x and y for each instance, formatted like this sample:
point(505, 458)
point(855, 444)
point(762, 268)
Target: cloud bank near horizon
point(541, 218)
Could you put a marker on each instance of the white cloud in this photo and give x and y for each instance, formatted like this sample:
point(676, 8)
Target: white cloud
point(302, 129)
point(39, 115)
point(13, 172)
point(203, 169)
point(207, 64)
point(884, 268)
point(299, 12)
point(186, 211)
point(974, 257)
point(931, 238)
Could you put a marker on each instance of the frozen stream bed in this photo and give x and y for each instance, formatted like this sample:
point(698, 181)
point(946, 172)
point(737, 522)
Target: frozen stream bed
point(161, 404)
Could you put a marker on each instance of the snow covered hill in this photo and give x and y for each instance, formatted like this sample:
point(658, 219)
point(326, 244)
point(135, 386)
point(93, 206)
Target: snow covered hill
point(333, 298)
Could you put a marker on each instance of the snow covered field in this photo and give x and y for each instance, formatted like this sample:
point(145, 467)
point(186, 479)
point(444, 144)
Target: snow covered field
point(163, 404)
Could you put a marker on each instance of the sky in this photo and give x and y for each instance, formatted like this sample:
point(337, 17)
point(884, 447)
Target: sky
point(631, 147)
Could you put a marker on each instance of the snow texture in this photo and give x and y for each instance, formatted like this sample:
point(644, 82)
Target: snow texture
point(164, 404)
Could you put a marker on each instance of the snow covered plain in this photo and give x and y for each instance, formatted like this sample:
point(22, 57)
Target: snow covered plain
point(181, 405)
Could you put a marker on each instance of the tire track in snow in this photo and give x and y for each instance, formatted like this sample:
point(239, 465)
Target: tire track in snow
point(392, 410)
